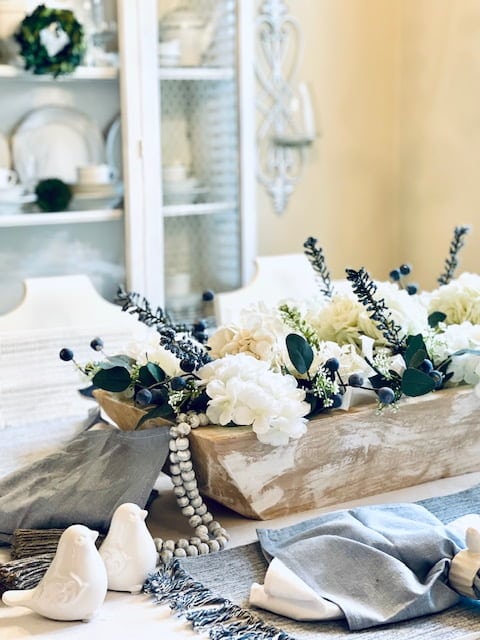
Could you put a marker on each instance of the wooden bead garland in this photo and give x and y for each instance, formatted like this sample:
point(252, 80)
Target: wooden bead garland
point(209, 536)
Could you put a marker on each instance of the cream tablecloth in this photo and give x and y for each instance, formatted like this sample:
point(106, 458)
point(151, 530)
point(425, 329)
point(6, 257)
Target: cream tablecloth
point(124, 616)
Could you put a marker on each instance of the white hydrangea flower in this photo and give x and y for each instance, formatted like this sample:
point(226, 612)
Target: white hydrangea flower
point(459, 300)
point(453, 338)
point(145, 347)
point(243, 390)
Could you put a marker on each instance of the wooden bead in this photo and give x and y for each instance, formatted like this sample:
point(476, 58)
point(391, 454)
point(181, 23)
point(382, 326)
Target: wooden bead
point(201, 530)
point(201, 510)
point(222, 541)
point(180, 553)
point(191, 484)
point(188, 511)
point(203, 548)
point(183, 501)
point(174, 432)
point(182, 417)
point(179, 491)
point(183, 429)
point(184, 455)
point(172, 445)
point(194, 521)
point(177, 480)
point(213, 526)
point(182, 444)
point(175, 469)
point(195, 540)
point(158, 543)
point(182, 543)
point(194, 420)
point(166, 556)
point(196, 502)
point(213, 546)
point(169, 545)
point(173, 457)
point(207, 518)
point(192, 550)
point(188, 475)
point(186, 466)
point(193, 493)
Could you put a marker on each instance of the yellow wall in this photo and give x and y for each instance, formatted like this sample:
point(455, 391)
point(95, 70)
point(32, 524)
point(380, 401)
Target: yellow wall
point(397, 89)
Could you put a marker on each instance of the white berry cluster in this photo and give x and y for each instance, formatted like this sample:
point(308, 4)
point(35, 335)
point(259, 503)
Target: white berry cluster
point(209, 535)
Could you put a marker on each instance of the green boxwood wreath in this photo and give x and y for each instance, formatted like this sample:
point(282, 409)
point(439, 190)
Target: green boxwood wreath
point(34, 53)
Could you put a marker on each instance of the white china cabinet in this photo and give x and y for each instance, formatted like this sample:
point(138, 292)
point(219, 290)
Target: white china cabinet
point(169, 86)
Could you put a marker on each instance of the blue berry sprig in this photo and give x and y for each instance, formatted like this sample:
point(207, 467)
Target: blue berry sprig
point(317, 260)
point(365, 289)
point(149, 386)
point(398, 275)
point(451, 263)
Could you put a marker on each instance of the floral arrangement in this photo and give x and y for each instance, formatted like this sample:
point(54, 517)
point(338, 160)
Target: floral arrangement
point(276, 368)
point(51, 41)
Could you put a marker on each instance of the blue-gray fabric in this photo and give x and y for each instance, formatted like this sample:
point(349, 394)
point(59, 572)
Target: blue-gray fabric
point(84, 481)
point(379, 564)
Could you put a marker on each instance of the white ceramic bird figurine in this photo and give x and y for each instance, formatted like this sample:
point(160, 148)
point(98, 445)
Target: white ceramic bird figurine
point(128, 550)
point(75, 584)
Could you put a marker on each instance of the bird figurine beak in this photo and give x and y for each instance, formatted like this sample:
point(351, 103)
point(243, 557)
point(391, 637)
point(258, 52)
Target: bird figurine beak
point(144, 514)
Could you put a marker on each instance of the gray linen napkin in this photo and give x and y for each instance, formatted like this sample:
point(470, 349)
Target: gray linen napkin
point(379, 564)
point(84, 481)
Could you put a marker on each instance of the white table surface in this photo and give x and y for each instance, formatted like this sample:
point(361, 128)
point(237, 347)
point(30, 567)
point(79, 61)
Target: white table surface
point(126, 617)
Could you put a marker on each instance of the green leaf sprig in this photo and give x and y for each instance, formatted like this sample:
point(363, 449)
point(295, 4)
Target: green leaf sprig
point(451, 263)
point(318, 262)
point(365, 289)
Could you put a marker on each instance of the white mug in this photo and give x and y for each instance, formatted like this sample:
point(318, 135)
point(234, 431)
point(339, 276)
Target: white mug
point(8, 178)
point(175, 172)
point(96, 174)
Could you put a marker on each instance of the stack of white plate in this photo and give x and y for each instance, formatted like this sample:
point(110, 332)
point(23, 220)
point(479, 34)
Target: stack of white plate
point(12, 199)
point(186, 191)
point(96, 196)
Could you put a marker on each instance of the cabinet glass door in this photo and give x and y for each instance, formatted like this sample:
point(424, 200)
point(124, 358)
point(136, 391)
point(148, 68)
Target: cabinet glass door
point(67, 129)
point(198, 73)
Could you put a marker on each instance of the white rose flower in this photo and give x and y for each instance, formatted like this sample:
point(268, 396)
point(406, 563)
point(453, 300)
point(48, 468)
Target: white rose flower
point(459, 300)
point(260, 333)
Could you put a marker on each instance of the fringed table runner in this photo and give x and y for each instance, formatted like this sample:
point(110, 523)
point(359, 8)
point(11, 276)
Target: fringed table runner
point(211, 592)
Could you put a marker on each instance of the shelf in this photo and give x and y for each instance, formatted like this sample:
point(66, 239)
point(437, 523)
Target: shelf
point(196, 73)
point(201, 209)
point(62, 217)
point(81, 73)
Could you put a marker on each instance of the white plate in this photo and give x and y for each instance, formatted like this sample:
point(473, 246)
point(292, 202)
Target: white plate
point(52, 141)
point(114, 146)
point(5, 159)
point(97, 190)
point(92, 200)
point(8, 207)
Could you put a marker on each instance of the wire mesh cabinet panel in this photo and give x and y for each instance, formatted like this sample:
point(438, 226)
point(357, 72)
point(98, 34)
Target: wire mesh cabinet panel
point(206, 114)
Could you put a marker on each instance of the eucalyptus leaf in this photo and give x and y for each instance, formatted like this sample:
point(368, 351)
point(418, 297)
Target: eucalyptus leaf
point(462, 352)
point(414, 344)
point(113, 379)
point(150, 374)
point(436, 317)
point(299, 352)
point(163, 411)
point(121, 360)
point(417, 358)
point(416, 383)
point(156, 371)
